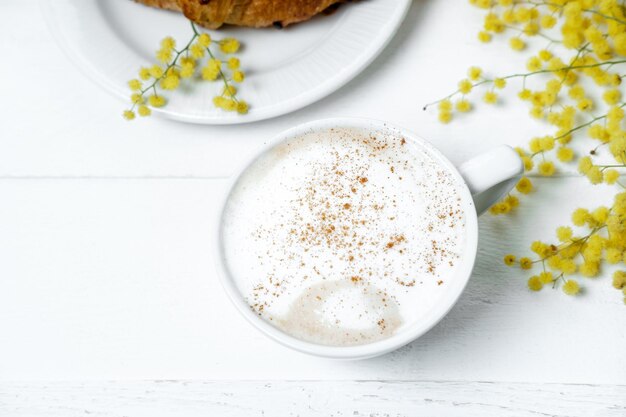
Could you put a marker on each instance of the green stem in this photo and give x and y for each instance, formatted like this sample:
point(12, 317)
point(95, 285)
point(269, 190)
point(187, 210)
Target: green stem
point(580, 241)
point(223, 77)
point(595, 119)
point(611, 166)
point(517, 75)
point(171, 65)
point(538, 33)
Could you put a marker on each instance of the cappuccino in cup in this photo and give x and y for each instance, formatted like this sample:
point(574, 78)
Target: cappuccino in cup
point(344, 236)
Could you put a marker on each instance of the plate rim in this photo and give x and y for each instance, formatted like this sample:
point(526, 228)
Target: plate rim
point(296, 103)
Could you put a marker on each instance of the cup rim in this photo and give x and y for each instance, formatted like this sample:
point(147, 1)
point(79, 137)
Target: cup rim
point(447, 300)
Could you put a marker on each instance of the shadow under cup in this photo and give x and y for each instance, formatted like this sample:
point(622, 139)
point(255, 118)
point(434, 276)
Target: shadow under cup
point(391, 329)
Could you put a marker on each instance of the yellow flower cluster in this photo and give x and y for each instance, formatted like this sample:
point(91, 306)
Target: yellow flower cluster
point(605, 241)
point(178, 64)
point(557, 90)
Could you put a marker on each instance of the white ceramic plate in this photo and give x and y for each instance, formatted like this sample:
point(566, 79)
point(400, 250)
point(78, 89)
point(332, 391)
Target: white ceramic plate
point(286, 69)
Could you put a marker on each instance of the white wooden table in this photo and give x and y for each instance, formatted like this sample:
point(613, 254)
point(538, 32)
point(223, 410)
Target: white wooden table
point(108, 301)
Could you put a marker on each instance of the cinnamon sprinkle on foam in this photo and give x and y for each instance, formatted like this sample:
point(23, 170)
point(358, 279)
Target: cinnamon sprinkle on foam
point(342, 237)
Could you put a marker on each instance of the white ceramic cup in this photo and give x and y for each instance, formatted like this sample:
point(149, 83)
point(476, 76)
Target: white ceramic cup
point(487, 177)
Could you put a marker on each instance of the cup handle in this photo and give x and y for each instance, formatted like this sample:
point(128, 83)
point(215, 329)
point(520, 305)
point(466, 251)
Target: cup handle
point(491, 175)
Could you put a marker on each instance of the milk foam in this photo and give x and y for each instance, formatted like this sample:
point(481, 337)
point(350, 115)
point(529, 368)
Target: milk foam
point(344, 236)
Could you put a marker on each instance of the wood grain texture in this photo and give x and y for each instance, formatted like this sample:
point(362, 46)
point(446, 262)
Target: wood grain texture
point(106, 270)
point(312, 398)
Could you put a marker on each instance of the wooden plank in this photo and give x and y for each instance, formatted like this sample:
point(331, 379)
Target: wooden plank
point(312, 398)
point(113, 279)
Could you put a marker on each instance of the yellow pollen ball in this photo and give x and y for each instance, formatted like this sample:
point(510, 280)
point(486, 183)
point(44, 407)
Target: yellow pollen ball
point(499, 83)
point(465, 86)
point(619, 280)
point(233, 63)
point(534, 283)
point(230, 105)
point(580, 216)
point(585, 104)
point(565, 154)
point(512, 201)
point(474, 73)
point(484, 36)
point(164, 55)
point(445, 116)
point(230, 91)
point(156, 71)
point(611, 176)
point(229, 45)
point(585, 164)
point(524, 185)
point(612, 97)
point(594, 175)
point(547, 21)
point(242, 107)
point(134, 85)
point(170, 82)
point(564, 233)
point(204, 40)
point(144, 110)
point(490, 97)
point(525, 94)
point(197, 51)
point(613, 255)
point(546, 168)
point(144, 73)
point(219, 101)
point(463, 105)
point(445, 105)
point(136, 98)
point(525, 263)
point(156, 101)
point(533, 64)
point(238, 76)
point(509, 260)
point(168, 43)
point(528, 163)
point(546, 277)
point(545, 55)
point(517, 44)
point(571, 287)
point(536, 112)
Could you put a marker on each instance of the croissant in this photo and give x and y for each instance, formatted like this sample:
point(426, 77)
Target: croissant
point(253, 13)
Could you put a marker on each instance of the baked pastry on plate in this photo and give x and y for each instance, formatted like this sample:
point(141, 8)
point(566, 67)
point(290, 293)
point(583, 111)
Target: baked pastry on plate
point(253, 13)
